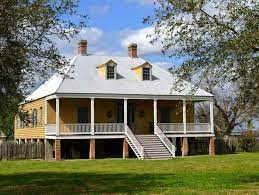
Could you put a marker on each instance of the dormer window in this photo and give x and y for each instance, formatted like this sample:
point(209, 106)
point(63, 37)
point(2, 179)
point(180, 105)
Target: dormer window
point(146, 74)
point(110, 72)
point(143, 71)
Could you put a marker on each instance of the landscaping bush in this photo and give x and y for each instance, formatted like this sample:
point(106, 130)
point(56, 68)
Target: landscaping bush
point(247, 140)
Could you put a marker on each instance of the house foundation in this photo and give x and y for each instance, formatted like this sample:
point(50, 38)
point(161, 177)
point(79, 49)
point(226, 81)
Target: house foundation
point(212, 146)
point(125, 151)
point(92, 149)
point(184, 146)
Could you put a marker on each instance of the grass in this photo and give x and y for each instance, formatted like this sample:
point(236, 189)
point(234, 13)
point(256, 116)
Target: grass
point(226, 174)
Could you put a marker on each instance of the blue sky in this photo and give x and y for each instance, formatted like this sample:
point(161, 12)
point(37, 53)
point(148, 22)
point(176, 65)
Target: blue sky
point(113, 24)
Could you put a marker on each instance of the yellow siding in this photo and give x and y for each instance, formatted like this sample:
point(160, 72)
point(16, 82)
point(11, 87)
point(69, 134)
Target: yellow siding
point(102, 70)
point(30, 132)
point(138, 71)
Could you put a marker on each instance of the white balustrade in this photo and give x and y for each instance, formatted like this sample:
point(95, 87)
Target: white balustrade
point(109, 128)
point(165, 140)
point(135, 142)
point(190, 127)
point(50, 129)
point(76, 128)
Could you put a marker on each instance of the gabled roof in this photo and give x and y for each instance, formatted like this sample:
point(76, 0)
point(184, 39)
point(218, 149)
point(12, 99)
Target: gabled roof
point(145, 63)
point(83, 77)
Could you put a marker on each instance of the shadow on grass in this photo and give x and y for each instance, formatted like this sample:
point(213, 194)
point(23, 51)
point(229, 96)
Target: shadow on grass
point(83, 182)
point(56, 182)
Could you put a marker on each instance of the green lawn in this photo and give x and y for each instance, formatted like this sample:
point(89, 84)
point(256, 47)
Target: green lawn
point(234, 173)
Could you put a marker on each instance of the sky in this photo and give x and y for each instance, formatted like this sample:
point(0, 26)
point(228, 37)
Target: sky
point(112, 25)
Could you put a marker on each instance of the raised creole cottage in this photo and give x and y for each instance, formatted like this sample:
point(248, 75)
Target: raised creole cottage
point(114, 106)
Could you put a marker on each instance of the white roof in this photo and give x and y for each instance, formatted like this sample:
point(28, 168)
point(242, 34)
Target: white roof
point(83, 77)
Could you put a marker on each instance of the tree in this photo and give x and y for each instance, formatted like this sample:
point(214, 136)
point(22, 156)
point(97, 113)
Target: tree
point(231, 109)
point(218, 38)
point(28, 30)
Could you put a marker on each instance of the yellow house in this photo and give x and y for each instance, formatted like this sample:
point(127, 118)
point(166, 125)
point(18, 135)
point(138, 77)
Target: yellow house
point(113, 106)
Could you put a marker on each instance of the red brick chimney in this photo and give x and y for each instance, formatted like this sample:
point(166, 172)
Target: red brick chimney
point(132, 50)
point(82, 47)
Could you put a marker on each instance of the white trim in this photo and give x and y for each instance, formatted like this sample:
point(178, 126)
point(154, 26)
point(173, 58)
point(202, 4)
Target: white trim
point(57, 116)
point(155, 114)
point(46, 112)
point(125, 110)
point(87, 137)
point(53, 96)
point(184, 117)
point(211, 117)
point(133, 96)
point(190, 135)
point(92, 116)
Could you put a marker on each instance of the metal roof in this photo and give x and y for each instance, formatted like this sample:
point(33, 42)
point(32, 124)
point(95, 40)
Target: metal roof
point(83, 77)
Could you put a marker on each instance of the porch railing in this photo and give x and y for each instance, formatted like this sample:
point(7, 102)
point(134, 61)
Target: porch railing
point(179, 127)
point(50, 129)
point(135, 142)
point(165, 140)
point(77, 128)
point(198, 127)
point(109, 128)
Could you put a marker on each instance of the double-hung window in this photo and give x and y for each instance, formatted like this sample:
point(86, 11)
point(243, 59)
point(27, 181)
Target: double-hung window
point(146, 74)
point(34, 118)
point(110, 72)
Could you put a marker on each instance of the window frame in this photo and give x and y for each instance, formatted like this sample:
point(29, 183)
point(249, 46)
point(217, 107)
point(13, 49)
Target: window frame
point(146, 77)
point(41, 116)
point(108, 66)
point(34, 118)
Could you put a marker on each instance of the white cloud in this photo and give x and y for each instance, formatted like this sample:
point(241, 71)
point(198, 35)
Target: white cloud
point(99, 9)
point(140, 37)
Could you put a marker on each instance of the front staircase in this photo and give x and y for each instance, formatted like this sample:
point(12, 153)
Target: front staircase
point(153, 147)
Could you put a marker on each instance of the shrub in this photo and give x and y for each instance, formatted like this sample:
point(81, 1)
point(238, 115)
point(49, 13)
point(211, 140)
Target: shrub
point(247, 140)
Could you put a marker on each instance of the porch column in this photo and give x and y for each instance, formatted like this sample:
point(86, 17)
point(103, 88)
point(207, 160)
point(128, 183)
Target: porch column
point(125, 151)
point(57, 116)
point(46, 112)
point(92, 149)
point(92, 116)
point(211, 117)
point(125, 109)
point(212, 146)
point(184, 146)
point(184, 117)
point(57, 149)
point(155, 115)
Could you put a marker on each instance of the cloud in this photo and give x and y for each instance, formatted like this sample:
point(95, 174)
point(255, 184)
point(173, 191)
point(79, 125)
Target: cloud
point(139, 37)
point(99, 9)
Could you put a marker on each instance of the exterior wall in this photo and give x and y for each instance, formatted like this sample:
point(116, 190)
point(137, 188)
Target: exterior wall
point(102, 107)
point(102, 70)
point(30, 132)
point(144, 124)
point(176, 111)
point(51, 107)
point(68, 109)
point(138, 71)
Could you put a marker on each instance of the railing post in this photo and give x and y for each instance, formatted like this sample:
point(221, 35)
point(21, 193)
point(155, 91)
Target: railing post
point(211, 117)
point(92, 116)
point(155, 115)
point(125, 109)
point(57, 116)
point(184, 117)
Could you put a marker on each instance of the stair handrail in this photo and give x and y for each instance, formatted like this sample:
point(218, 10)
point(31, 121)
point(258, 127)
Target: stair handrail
point(134, 141)
point(160, 134)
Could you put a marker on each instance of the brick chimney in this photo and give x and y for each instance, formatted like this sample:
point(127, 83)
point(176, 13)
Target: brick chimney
point(132, 50)
point(82, 47)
